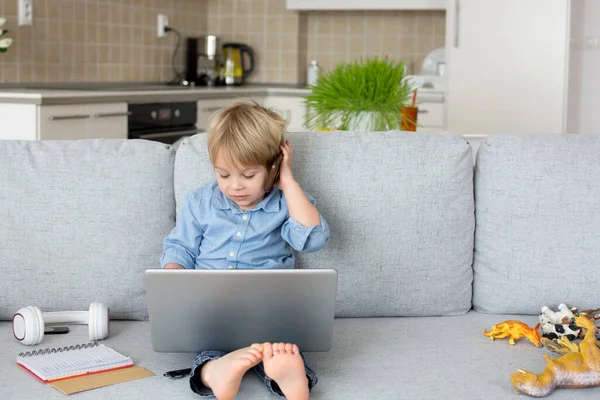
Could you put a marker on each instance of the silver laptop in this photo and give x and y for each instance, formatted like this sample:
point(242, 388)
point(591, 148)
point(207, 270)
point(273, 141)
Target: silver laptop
point(194, 310)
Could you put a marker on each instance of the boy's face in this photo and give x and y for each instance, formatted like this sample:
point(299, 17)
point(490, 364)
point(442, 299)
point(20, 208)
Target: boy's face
point(243, 185)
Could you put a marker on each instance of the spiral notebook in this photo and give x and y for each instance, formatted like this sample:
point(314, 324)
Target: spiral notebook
point(54, 364)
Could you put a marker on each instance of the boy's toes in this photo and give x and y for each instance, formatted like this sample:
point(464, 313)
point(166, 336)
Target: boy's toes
point(254, 354)
point(295, 349)
point(258, 346)
point(280, 347)
point(288, 347)
point(267, 350)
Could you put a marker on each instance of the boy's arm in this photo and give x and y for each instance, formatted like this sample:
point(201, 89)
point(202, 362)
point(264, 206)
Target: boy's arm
point(307, 235)
point(306, 230)
point(181, 246)
point(299, 206)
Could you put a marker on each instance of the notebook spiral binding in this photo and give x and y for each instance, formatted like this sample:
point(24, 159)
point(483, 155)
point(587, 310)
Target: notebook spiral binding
point(41, 352)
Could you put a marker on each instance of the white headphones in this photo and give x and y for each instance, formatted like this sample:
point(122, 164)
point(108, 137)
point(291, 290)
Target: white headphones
point(28, 323)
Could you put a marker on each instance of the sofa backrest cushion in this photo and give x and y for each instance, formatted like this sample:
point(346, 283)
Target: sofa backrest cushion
point(537, 240)
point(80, 221)
point(400, 210)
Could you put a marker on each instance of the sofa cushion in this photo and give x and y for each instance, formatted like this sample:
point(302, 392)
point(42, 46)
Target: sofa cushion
point(538, 223)
point(372, 358)
point(400, 210)
point(81, 221)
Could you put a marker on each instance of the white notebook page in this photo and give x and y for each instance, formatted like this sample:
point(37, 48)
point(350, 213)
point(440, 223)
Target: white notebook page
point(51, 364)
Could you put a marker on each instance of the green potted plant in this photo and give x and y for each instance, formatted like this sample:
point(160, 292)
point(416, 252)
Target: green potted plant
point(364, 95)
point(4, 42)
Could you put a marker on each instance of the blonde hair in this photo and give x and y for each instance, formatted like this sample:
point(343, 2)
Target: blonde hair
point(246, 133)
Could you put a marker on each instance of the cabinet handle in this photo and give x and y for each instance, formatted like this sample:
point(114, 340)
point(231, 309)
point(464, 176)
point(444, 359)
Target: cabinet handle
point(421, 111)
point(456, 23)
point(113, 114)
point(67, 117)
point(211, 109)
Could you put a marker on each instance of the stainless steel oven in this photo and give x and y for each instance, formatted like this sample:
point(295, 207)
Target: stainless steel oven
point(166, 122)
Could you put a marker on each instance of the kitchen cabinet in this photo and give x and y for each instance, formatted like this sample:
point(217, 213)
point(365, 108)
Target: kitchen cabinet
point(431, 117)
point(291, 108)
point(208, 107)
point(507, 65)
point(366, 5)
point(82, 121)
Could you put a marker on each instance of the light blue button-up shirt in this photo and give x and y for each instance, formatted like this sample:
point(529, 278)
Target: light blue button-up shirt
point(212, 232)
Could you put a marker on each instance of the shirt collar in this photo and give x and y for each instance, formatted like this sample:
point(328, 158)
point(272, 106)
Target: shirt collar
point(269, 203)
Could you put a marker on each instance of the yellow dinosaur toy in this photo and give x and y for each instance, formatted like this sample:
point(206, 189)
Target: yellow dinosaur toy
point(515, 330)
point(579, 368)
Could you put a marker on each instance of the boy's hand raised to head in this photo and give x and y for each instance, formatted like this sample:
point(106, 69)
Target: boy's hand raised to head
point(300, 207)
point(286, 177)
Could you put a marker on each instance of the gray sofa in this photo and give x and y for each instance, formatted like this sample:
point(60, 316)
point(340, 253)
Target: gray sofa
point(429, 250)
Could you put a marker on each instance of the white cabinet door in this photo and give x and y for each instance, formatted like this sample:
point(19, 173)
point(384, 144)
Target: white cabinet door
point(506, 65)
point(82, 121)
point(431, 115)
point(64, 122)
point(366, 5)
point(18, 121)
point(108, 121)
point(206, 109)
point(292, 109)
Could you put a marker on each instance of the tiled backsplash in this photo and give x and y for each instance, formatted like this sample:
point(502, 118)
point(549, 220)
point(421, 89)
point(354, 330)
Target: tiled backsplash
point(96, 40)
point(271, 30)
point(285, 41)
point(335, 37)
point(115, 40)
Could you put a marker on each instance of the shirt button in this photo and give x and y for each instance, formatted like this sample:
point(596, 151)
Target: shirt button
point(239, 234)
point(230, 267)
point(245, 217)
point(232, 253)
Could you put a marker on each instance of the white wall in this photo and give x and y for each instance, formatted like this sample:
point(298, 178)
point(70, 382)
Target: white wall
point(589, 100)
point(575, 68)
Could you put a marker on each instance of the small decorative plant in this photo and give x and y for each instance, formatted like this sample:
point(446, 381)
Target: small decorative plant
point(364, 95)
point(4, 42)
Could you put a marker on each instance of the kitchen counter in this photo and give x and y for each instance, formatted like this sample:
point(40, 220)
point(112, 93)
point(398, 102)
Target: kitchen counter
point(57, 94)
point(148, 94)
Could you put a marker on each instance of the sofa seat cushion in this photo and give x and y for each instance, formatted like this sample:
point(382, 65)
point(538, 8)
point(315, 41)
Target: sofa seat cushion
point(400, 210)
point(372, 358)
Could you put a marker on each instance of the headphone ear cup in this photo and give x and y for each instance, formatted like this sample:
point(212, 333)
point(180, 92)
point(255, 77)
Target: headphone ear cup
point(28, 325)
point(98, 324)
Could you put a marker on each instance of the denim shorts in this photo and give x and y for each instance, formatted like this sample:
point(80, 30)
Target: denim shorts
point(204, 356)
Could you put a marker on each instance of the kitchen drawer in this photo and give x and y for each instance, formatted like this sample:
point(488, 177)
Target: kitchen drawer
point(82, 121)
point(206, 109)
point(431, 114)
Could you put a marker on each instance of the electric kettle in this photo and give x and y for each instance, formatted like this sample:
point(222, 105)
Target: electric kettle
point(236, 67)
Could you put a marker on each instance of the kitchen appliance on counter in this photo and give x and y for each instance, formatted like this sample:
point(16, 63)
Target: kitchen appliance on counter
point(167, 122)
point(236, 67)
point(202, 60)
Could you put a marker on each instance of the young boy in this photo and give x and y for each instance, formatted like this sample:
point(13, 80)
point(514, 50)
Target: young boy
point(234, 223)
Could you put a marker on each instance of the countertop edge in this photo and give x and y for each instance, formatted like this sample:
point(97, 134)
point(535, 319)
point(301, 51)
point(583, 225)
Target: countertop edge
point(66, 97)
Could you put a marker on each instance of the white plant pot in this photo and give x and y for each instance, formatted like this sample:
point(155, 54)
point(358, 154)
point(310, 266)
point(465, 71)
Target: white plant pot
point(363, 122)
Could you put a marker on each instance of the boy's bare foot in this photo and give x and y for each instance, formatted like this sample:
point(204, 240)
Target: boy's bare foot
point(283, 363)
point(225, 374)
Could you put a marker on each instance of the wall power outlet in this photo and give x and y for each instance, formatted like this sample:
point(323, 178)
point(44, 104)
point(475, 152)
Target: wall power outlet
point(163, 22)
point(25, 12)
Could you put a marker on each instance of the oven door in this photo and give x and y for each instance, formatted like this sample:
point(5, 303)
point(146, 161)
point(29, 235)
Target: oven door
point(168, 136)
